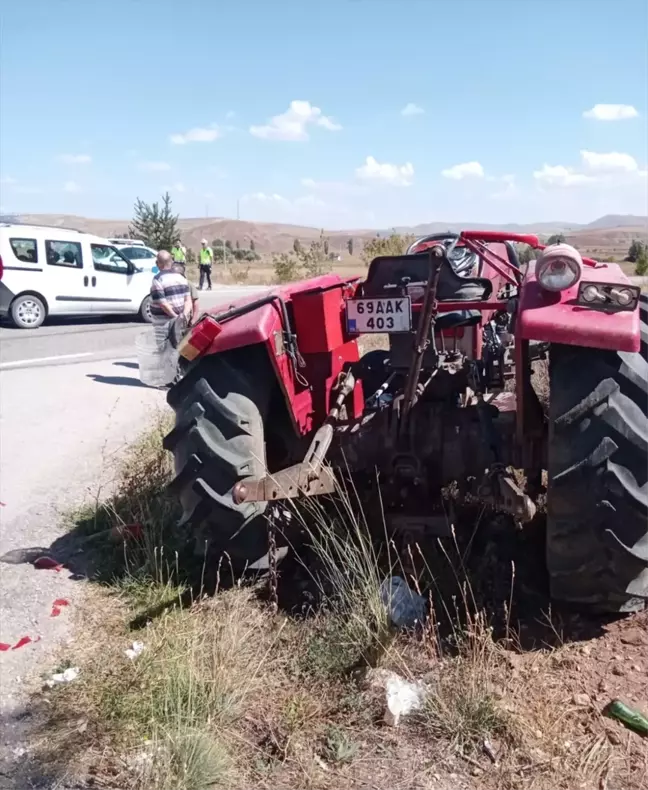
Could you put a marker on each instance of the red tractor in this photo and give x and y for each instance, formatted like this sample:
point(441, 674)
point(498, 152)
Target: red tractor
point(275, 397)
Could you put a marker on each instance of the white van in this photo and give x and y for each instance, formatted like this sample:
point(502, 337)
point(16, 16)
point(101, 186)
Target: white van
point(49, 271)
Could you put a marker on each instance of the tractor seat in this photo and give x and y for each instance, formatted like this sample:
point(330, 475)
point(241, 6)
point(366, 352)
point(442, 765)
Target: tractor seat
point(386, 273)
point(457, 318)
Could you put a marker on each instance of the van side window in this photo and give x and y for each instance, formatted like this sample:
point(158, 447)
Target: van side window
point(108, 259)
point(25, 250)
point(64, 253)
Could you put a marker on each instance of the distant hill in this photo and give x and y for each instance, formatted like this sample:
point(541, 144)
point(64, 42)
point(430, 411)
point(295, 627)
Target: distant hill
point(617, 221)
point(609, 235)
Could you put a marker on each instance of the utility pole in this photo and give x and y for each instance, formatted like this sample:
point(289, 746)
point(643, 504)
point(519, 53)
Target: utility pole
point(238, 209)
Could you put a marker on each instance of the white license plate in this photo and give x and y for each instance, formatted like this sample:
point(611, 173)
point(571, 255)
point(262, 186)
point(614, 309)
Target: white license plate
point(379, 315)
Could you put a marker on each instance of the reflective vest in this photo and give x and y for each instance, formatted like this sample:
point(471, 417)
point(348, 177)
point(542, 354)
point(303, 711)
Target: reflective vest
point(206, 256)
point(178, 254)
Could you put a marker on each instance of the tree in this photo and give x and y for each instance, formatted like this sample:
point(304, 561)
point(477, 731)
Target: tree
point(350, 246)
point(252, 245)
point(635, 250)
point(238, 244)
point(191, 257)
point(286, 267)
point(526, 253)
point(396, 244)
point(228, 244)
point(326, 247)
point(296, 245)
point(156, 225)
point(641, 264)
point(557, 238)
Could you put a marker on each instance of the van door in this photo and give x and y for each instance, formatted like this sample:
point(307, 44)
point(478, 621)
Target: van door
point(66, 283)
point(112, 281)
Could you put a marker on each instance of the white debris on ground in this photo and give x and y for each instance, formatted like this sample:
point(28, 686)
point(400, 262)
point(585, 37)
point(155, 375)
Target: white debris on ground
point(67, 676)
point(134, 650)
point(402, 696)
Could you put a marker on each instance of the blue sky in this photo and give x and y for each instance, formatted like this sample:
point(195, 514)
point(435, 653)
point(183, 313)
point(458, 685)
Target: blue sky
point(517, 110)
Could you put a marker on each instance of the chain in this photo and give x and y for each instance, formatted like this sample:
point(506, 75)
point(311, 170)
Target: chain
point(272, 560)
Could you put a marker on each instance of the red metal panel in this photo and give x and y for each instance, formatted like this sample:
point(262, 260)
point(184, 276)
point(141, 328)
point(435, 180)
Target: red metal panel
point(307, 392)
point(557, 318)
point(319, 318)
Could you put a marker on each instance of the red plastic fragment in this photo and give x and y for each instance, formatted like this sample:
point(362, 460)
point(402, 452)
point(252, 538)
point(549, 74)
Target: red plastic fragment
point(57, 605)
point(47, 564)
point(25, 641)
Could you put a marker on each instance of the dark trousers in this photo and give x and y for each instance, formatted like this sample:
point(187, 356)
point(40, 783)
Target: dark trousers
point(205, 274)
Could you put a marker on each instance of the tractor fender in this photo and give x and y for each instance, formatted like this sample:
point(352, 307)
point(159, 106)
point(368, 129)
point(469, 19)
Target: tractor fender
point(558, 318)
point(307, 372)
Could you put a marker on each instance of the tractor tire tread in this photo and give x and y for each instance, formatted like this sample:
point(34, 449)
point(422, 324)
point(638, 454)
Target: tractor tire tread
point(597, 519)
point(218, 440)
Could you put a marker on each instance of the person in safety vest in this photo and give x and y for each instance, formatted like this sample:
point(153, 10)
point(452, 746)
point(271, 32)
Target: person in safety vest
point(179, 253)
point(206, 259)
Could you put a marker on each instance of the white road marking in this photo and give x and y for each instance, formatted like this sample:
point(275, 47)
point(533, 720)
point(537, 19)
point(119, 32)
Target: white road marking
point(44, 359)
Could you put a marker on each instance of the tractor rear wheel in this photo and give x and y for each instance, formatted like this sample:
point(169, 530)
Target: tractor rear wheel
point(218, 439)
point(597, 502)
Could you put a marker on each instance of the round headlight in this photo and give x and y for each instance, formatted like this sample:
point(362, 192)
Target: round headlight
point(592, 294)
point(558, 267)
point(622, 296)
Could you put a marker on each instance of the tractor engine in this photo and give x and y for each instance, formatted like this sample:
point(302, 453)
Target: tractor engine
point(436, 409)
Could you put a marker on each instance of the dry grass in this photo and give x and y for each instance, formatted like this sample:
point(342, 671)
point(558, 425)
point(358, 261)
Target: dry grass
point(227, 694)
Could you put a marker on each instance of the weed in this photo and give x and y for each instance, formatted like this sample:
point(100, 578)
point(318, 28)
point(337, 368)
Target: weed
point(338, 747)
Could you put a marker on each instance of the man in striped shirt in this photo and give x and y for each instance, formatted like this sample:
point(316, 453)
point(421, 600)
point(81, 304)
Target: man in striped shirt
point(170, 292)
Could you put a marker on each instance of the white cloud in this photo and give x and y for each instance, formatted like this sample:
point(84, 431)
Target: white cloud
point(75, 159)
point(230, 114)
point(612, 162)
point(395, 175)
point(197, 135)
point(292, 124)
point(177, 187)
point(464, 170)
point(71, 186)
point(154, 167)
point(7, 180)
point(412, 109)
point(611, 112)
point(263, 197)
point(560, 176)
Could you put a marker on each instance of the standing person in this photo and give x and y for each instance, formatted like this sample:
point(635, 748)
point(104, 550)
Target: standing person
point(170, 292)
point(179, 253)
point(206, 260)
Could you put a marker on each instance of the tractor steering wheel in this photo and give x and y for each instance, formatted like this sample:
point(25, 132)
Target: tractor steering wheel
point(462, 260)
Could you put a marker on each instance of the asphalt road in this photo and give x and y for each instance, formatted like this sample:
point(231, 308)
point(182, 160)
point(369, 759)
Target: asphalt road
point(72, 340)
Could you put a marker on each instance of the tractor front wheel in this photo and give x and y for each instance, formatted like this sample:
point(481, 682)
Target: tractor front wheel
point(597, 503)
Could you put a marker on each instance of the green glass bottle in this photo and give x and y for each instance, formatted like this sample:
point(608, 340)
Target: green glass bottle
point(629, 716)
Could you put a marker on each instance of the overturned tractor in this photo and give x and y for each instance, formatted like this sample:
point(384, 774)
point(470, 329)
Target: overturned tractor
point(275, 401)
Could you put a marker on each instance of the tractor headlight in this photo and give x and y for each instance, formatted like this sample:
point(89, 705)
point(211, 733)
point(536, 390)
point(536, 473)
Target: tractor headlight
point(558, 267)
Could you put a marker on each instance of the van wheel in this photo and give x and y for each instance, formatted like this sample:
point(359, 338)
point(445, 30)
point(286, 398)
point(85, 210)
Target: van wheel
point(28, 311)
point(145, 311)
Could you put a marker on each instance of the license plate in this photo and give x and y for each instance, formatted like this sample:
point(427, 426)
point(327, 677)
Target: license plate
point(379, 315)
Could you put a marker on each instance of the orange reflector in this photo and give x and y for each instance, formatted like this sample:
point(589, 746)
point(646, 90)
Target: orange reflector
point(199, 338)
